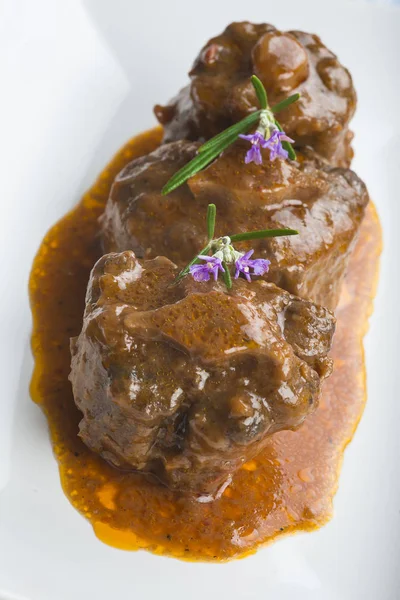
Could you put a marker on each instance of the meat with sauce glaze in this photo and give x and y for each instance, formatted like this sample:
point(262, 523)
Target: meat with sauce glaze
point(324, 204)
point(187, 381)
point(220, 92)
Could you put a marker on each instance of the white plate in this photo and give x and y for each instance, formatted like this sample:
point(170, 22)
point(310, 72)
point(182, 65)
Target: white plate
point(78, 78)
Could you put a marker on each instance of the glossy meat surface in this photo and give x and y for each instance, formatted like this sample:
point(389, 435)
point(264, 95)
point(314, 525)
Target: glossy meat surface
point(220, 92)
point(326, 205)
point(186, 381)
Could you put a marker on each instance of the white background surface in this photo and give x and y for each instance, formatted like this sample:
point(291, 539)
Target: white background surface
point(78, 79)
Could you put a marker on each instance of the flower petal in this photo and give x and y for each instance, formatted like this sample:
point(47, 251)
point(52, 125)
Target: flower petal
point(260, 266)
point(248, 138)
point(248, 158)
point(210, 259)
point(285, 138)
point(247, 255)
point(200, 272)
point(215, 271)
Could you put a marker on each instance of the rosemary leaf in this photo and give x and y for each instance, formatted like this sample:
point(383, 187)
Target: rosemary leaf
point(285, 103)
point(262, 233)
point(227, 275)
point(191, 168)
point(232, 131)
point(260, 91)
point(211, 214)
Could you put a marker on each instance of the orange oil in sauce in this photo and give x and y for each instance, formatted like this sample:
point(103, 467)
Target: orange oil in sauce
point(288, 487)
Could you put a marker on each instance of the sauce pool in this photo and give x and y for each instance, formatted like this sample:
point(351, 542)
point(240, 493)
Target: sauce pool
point(288, 487)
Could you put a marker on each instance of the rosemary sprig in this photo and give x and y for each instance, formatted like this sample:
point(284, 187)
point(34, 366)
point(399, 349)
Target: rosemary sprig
point(213, 147)
point(216, 246)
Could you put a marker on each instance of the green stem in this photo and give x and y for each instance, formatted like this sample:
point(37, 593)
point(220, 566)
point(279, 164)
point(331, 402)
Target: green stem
point(227, 275)
point(211, 214)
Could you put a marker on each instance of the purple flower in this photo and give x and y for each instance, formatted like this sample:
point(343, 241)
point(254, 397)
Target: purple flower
point(274, 143)
point(243, 265)
point(203, 272)
point(257, 142)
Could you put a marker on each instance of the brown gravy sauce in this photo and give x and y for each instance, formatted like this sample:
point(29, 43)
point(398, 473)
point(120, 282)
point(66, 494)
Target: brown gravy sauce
point(288, 487)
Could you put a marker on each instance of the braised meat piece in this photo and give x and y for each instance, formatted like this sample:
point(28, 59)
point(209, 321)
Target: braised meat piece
point(220, 92)
point(326, 205)
point(187, 381)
